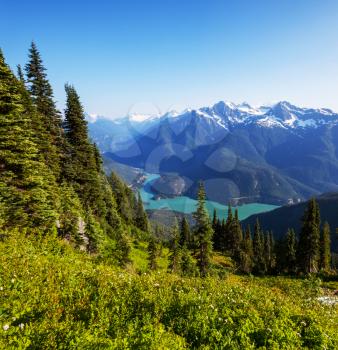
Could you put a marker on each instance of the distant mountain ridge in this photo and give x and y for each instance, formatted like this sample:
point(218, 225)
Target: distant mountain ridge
point(274, 154)
point(281, 219)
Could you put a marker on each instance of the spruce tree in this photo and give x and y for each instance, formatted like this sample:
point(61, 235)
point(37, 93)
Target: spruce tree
point(82, 169)
point(235, 237)
point(122, 196)
point(290, 251)
point(185, 233)
point(175, 250)
point(325, 248)
point(26, 184)
point(141, 218)
point(203, 232)
point(246, 253)
point(217, 228)
point(42, 95)
point(269, 253)
point(20, 74)
point(188, 266)
point(226, 231)
point(258, 249)
point(152, 254)
point(308, 252)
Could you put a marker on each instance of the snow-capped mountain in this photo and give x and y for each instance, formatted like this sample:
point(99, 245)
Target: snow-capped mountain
point(227, 114)
point(276, 154)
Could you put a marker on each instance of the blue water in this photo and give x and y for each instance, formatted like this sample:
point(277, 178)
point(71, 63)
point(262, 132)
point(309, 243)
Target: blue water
point(187, 205)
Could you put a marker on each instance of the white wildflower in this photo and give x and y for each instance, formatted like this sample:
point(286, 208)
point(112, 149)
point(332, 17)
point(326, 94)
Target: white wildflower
point(21, 325)
point(6, 327)
point(12, 280)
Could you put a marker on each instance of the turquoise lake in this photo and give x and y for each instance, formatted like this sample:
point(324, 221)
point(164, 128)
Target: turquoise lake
point(188, 205)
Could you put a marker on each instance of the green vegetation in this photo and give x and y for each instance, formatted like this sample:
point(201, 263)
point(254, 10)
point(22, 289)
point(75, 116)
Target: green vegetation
point(55, 297)
point(81, 267)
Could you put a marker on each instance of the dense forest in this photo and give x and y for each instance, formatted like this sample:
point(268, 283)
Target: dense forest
point(80, 241)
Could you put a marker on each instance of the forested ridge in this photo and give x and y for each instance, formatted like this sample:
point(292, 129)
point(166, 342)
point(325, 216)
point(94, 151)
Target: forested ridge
point(52, 180)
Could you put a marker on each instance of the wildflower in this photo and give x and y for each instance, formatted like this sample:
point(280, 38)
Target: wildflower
point(21, 325)
point(1, 288)
point(6, 327)
point(156, 285)
point(12, 280)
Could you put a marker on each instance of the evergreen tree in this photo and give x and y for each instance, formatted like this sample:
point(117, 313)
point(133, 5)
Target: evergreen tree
point(226, 231)
point(175, 250)
point(258, 249)
point(308, 253)
point(20, 74)
point(269, 254)
point(218, 233)
point(214, 219)
point(26, 184)
point(246, 254)
point(203, 232)
point(51, 134)
point(290, 251)
point(185, 233)
point(141, 218)
point(82, 169)
point(325, 250)
point(152, 254)
point(125, 206)
point(188, 266)
point(235, 237)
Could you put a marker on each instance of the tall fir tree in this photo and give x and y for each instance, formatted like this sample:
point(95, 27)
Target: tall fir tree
point(258, 249)
point(325, 248)
point(269, 252)
point(21, 77)
point(185, 233)
point(51, 133)
point(203, 232)
point(246, 253)
point(153, 252)
point(235, 237)
point(82, 168)
point(124, 199)
point(26, 184)
point(217, 228)
point(308, 252)
point(290, 251)
point(141, 217)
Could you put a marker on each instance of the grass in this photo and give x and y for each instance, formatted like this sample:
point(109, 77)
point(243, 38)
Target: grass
point(53, 297)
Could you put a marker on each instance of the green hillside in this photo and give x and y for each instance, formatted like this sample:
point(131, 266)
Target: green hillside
point(55, 297)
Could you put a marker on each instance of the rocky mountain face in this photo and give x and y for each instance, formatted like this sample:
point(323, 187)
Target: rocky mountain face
point(274, 154)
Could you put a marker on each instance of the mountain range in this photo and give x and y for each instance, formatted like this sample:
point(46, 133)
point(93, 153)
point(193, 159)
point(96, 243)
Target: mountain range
point(274, 154)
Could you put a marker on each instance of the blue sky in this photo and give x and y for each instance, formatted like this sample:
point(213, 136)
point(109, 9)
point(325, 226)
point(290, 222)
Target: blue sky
point(150, 56)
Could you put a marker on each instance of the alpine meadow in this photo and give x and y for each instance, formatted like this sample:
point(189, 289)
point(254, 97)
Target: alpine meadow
point(203, 228)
